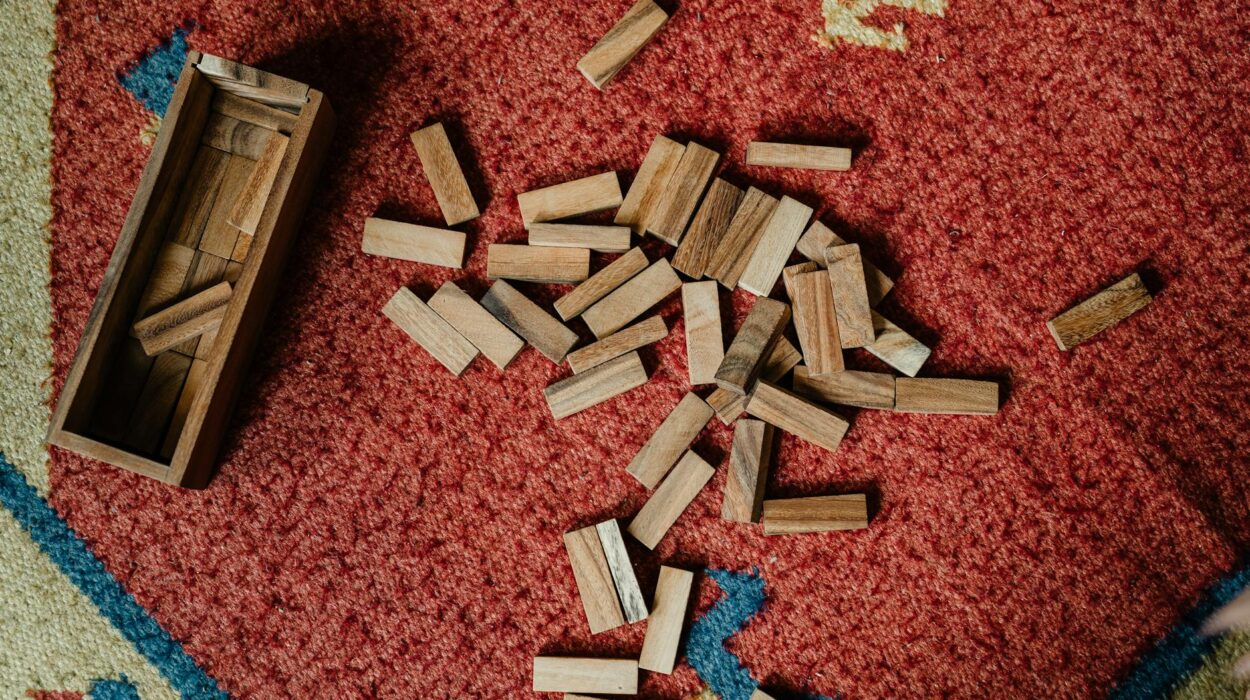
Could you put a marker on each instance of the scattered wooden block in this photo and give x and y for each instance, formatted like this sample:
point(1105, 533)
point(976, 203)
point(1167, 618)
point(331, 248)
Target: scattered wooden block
point(895, 346)
point(190, 388)
point(253, 112)
point(539, 328)
point(235, 136)
point(796, 415)
point(594, 386)
point(423, 244)
point(601, 284)
point(442, 169)
point(850, 295)
point(218, 236)
point(648, 187)
point(537, 264)
point(793, 516)
point(622, 42)
point(601, 239)
point(188, 318)
point(738, 244)
point(816, 322)
point(199, 193)
point(709, 226)
point(790, 155)
point(157, 402)
point(668, 614)
point(430, 331)
point(774, 247)
point(788, 274)
point(819, 238)
point(782, 357)
point(849, 388)
point(669, 500)
point(632, 299)
point(558, 674)
point(643, 333)
point(705, 346)
point(476, 324)
point(627, 590)
point(1099, 312)
point(574, 198)
point(594, 579)
point(745, 356)
point(682, 192)
point(250, 204)
point(956, 396)
point(169, 274)
point(670, 440)
point(748, 471)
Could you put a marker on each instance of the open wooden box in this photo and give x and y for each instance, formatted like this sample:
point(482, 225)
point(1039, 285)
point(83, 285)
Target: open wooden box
point(229, 132)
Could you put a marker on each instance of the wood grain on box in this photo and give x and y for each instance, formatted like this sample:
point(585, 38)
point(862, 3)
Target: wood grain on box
point(797, 416)
point(601, 239)
point(627, 590)
point(738, 244)
point(782, 357)
point(682, 193)
point(600, 284)
point(594, 386)
point(430, 331)
point(850, 295)
point(594, 579)
point(471, 320)
point(705, 344)
point(819, 238)
point(746, 354)
point(528, 263)
point(626, 38)
point(558, 674)
point(1099, 312)
point(648, 186)
point(955, 396)
point(793, 516)
point(423, 244)
point(632, 299)
point(670, 499)
point(670, 440)
point(584, 196)
point(668, 615)
point(896, 347)
point(774, 246)
point(816, 322)
point(849, 388)
point(645, 332)
point(748, 471)
point(442, 170)
point(791, 155)
point(539, 328)
point(708, 227)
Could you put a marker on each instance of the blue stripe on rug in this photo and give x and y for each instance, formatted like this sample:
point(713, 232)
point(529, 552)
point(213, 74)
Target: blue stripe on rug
point(153, 77)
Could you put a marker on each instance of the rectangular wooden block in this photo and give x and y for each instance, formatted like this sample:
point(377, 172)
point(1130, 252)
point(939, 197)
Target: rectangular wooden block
point(594, 386)
point(793, 516)
point(705, 346)
point(601, 239)
point(438, 160)
point(850, 295)
point(186, 319)
point(627, 590)
point(1099, 312)
point(896, 347)
point(682, 193)
point(789, 273)
point(601, 284)
point(709, 226)
point(251, 201)
point(782, 357)
point(738, 244)
point(668, 615)
point(235, 136)
point(643, 333)
point(539, 328)
point(594, 579)
point(790, 155)
point(669, 500)
point(670, 440)
point(748, 471)
point(476, 324)
point(817, 240)
point(956, 396)
point(423, 244)
point(648, 186)
point(796, 415)
point(190, 388)
point(430, 331)
point(756, 695)
point(169, 274)
point(111, 413)
point(849, 388)
point(574, 198)
point(632, 299)
point(155, 408)
point(816, 323)
point(218, 236)
point(537, 264)
point(745, 356)
point(622, 42)
point(774, 247)
point(207, 270)
point(253, 112)
point(195, 203)
point(561, 674)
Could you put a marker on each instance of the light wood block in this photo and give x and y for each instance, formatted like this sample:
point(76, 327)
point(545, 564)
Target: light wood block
point(253, 112)
point(627, 590)
point(850, 295)
point(476, 324)
point(749, 461)
point(816, 323)
point(682, 193)
point(235, 136)
point(782, 357)
point(670, 440)
point(190, 389)
point(1099, 312)
point(632, 299)
point(430, 331)
point(601, 239)
point(794, 516)
point(705, 345)
point(775, 245)
point(218, 236)
point(788, 274)
point(896, 347)
point(250, 205)
point(560, 674)
point(157, 402)
point(601, 284)
point(668, 615)
point(640, 334)
point(594, 386)
point(574, 198)
point(207, 270)
point(955, 396)
point(442, 169)
point(529, 263)
point(796, 415)
point(709, 226)
point(423, 244)
point(745, 356)
point(671, 499)
point(622, 42)
point(169, 274)
point(756, 695)
point(790, 155)
point(819, 238)
point(256, 84)
point(539, 328)
point(648, 186)
point(594, 579)
point(849, 388)
point(738, 244)
point(188, 318)
point(199, 194)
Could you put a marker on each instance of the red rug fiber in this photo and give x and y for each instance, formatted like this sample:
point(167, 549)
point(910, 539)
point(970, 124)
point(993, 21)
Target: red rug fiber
point(380, 528)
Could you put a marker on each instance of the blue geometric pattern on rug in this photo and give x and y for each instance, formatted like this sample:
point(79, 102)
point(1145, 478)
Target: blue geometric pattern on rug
point(151, 80)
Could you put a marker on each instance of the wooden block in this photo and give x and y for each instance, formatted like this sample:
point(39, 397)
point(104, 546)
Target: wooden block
point(558, 674)
point(793, 516)
point(594, 579)
point(207, 270)
point(584, 196)
point(234, 136)
point(218, 237)
point(188, 318)
point(850, 295)
point(709, 226)
point(759, 695)
point(775, 245)
point(190, 388)
point(956, 396)
point(668, 614)
point(817, 240)
point(601, 239)
point(745, 357)
point(788, 274)
point(748, 471)
point(430, 331)
point(423, 244)
point(110, 418)
point(529, 263)
point(705, 345)
point(1099, 312)
point(816, 323)
point(669, 500)
point(242, 246)
point(790, 155)
point(782, 357)
point(796, 415)
point(849, 388)
point(670, 440)
point(169, 274)
point(651, 330)
point(250, 205)
point(234, 270)
point(594, 386)
point(438, 160)
point(895, 346)
point(601, 284)
point(632, 299)
point(253, 112)
point(627, 590)
point(648, 187)
point(157, 401)
point(539, 328)
point(682, 193)
point(622, 42)
point(476, 324)
point(199, 193)
point(738, 244)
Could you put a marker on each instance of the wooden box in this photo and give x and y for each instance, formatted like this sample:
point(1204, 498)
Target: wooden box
point(164, 416)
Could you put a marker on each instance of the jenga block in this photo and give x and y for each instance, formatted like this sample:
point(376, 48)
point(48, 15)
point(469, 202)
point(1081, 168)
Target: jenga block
point(849, 388)
point(850, 295)
point(218, 236)
point(819, 238)
point(669, 500)
point(648, 187)
point(622, 42)
point(788, 274)
point(242, 246)
point(796, 415)
point(643, 333)
point(529, 263)
point(745, 356)
point(423, 244)
point(234, 270)
point(632, 299)
point(748, 471)
point(195, 379)
point(756, 695)
point(476, 324)
point(816, 323)
point(438, 160)
point(574, 198)
point(782, 357)
point(251, 202)
point(601, 284)
point(790, 155)
point(196, 201)
point(709, 226)
point(539, 328)
point(793, 516)
point(627, 590)
point(558, 674)
point(594, 386)
point(594, 579)
point(601, 239)
point(110, 418)
point(188, 318)
point(165, 282)
point(253, 112)
point(670, 440)
point(235, 136)
point(895, 346)
point(738, 244)
point(705, 346)
point(775, 246)
point(956, 396)
point(430, 331)
point(207, 270)
point(1099, 312)
point(668, 614)
point(157, 402)
point(682, 193)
